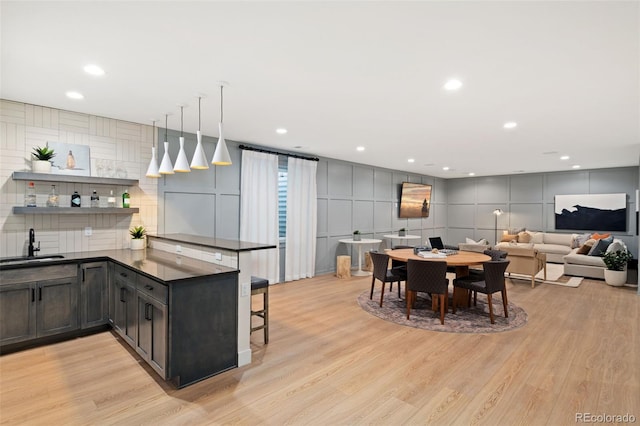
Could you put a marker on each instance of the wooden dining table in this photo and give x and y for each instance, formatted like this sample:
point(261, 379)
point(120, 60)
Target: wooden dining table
point(461, 261)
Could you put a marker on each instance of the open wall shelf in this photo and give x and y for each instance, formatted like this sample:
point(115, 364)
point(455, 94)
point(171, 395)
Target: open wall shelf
point(74, 210)
point(51, 177)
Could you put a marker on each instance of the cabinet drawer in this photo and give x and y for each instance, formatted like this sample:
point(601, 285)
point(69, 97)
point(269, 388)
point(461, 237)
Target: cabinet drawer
point(158, 291)
point(38, 273)
point(124, 274)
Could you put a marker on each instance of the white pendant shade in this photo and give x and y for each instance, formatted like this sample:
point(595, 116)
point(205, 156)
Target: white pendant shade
point(221, 157)
point(199, 160)
point(152, 170)
point(166, 167)
point(182, 164)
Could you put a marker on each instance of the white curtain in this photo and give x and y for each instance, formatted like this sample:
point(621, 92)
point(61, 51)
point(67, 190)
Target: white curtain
point(300, 254)
point(259, 211)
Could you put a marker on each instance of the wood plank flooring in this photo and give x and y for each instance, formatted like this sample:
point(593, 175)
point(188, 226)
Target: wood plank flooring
point(329, 362)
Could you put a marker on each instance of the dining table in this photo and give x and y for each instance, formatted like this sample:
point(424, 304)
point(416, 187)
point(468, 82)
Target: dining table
point(460, 260)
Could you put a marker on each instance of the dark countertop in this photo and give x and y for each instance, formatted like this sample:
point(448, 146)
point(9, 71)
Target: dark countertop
point(219, 243)
point(155, 264)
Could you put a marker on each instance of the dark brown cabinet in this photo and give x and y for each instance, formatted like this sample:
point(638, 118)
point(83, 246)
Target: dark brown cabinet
point(125, 308)
point(38, 302)
point(94, 296)
point(152, 332)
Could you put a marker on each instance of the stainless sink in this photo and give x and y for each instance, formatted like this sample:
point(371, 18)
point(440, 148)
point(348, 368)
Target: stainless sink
point(27, 259)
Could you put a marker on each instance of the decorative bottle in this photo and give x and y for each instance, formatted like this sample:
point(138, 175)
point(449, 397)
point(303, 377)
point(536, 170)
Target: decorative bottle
point(75, 199)
point(111, 200)
point(95, 199)
point(71, 161)
point(30, 195)
point(52, 200)
point(125, 199)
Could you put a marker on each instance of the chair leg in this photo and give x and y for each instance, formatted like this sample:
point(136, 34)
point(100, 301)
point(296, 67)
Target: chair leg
point(490, 308)
point(444, 302)
point(373, 283)
point(382, 293)
point(399, 297)
point(265, 306)
point(453, 302)
point(533, 281)
point(505, 303)
point(475, 298)
point(409, 297)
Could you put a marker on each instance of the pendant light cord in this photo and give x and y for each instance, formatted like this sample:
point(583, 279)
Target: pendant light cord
point(153, 140)
point(199, 98)
point(221, 103)
point(166, 124)
point(181, 120)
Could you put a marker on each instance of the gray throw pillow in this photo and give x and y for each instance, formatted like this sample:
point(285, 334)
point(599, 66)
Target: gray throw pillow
point(601, 246)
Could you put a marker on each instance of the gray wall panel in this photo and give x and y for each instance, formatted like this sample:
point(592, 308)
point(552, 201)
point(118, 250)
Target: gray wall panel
point(324, 262)
point(526, 188)
point(440, 215)
point(565, 183)
point(384, 187)
point(461, 215)
point(383, 213)
point(363, 216)
point(462, 191)
point(492, 189)
point(340, 179)
point(610, 181)
point(189, 213)
point(228, 206)
point(527, 216)
point(322, 178)
point(340, 217)
point(363, 183)
point(323, 217)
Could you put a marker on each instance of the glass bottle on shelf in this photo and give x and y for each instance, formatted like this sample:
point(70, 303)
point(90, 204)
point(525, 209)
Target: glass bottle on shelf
point(75, 199)
point(52, 200)
point(125, 199)
point(95, 199)
point(30, 195)
point(111, 200)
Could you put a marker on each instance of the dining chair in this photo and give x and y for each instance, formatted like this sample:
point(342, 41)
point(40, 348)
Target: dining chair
point(493, 282)
point(382, 273)
point(478, 274)
point(427, 276)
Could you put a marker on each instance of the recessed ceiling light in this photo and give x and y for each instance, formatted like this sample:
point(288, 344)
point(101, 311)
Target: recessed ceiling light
point(565, 157)
point(281, 131)
point(411, 160)
point(360, 148)
point(510, 125)
point(93, 69)
point(471, 174)
point(74, 95)
point(576, 166)
point(452, 84)
point(445, 168)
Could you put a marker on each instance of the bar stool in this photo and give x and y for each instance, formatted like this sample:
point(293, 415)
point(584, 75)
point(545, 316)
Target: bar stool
point(261, 286)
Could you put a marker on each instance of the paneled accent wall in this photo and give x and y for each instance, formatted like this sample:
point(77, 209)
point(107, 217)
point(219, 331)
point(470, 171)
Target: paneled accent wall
point(528, 201)
point(23, 127)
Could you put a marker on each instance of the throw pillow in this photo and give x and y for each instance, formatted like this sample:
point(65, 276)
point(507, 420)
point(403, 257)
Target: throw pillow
point(586, 247)
point(481, 241)
point(513, 231)
point(616, 245)
point(601, 246)
point(506, 238)
point(580, 239)
point(524, 237)
point(597, 236)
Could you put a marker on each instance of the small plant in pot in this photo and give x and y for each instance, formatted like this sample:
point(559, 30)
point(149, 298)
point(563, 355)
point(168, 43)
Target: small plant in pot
point(616, 263)
point(137, 237)
point(356, 235)
point(42, 156)
point(402, 232)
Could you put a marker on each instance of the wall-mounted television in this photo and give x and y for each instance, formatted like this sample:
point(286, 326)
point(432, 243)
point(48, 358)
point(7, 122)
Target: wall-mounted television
point(415, 200)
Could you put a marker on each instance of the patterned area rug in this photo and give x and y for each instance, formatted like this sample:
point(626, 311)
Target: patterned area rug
point(466, 320)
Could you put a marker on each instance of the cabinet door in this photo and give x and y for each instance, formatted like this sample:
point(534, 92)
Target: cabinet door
point(93, 294)
point(152, 333)
point(57, 307)
point(17, 312)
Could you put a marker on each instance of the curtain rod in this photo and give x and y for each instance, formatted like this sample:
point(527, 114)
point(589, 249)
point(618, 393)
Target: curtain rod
point(250, 148)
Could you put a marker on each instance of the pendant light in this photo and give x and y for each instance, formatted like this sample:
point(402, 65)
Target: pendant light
point(199, 160)
point(166, 167)
point(152, 170)
point(182, 165)
point(221, 157)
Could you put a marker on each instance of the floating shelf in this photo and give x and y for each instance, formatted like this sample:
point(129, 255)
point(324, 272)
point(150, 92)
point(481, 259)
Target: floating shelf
point(74, 210)
point(51, 177)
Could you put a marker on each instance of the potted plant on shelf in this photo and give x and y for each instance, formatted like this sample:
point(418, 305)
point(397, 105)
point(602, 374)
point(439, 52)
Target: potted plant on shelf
point(402, 232)
point(41, 162)
point(616, 263)
point(137, 237)
point(356, 235)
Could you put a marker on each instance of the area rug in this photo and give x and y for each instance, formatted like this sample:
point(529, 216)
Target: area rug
point(466, 320)
point(555, 276)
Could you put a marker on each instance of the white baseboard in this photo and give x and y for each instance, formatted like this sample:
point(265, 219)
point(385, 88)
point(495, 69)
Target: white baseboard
point(244, 357)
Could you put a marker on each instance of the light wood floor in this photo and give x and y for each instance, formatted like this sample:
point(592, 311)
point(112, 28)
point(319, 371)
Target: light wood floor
point(329, 362)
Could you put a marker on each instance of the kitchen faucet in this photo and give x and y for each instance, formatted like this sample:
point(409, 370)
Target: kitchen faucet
point(32, 239)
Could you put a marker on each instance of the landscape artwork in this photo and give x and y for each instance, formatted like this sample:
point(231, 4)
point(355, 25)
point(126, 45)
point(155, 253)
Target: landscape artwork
point(591, 212)
point(70, 159)
point(415, 200)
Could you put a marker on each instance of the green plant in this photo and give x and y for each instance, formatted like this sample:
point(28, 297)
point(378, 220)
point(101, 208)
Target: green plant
point(617, 260)
point(356, 232)
point(402, 229)
point(43, 153)
point(137, 232)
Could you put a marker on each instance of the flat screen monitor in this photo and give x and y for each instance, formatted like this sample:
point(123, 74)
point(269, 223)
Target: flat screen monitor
point(436, 243)
point(415, 200)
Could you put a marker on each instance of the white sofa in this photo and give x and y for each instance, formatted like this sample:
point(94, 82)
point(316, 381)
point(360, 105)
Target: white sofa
point(555, 246)
point(583, 265)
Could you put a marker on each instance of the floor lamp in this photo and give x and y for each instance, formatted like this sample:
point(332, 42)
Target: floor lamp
point(496, 213)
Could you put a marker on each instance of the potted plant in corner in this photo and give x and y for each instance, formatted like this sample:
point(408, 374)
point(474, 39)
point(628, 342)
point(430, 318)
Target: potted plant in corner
point(137, 237)
point(616, 263)
point(402, 232)
point(356, 235)
point(41, 162)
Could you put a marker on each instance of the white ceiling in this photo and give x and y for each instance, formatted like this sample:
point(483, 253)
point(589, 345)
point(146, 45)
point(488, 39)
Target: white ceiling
point(342, 74)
